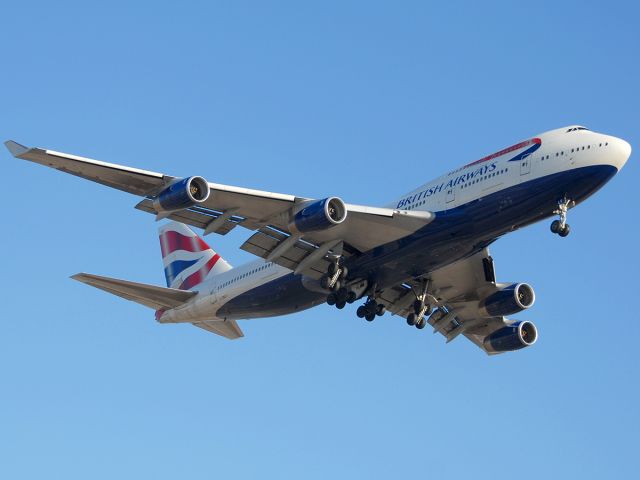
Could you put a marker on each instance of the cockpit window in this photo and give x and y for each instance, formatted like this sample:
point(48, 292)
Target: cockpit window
point(575, 129)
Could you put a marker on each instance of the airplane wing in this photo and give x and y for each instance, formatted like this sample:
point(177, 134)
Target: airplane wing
point(458, 290)
point(267, 213)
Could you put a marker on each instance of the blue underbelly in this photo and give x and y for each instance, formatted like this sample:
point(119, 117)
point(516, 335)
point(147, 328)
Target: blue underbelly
point(466, 229)
point(278, 297)
point(454, 234)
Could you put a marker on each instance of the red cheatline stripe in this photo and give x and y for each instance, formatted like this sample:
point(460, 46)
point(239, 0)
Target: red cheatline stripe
point(197, 277)
point(170, 241)
point(506, 150)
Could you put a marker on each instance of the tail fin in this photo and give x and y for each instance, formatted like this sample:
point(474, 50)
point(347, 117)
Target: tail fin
point(187, 259)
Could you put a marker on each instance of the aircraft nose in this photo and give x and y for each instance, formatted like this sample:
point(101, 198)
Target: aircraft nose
point(621, 152)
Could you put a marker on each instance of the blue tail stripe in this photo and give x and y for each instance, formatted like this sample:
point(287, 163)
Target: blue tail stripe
point(175, 268)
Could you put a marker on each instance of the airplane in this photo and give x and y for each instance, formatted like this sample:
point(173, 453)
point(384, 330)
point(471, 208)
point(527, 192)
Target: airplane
point(423, 257)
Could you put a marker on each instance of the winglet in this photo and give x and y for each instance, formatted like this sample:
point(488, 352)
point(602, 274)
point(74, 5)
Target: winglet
point(15, 148)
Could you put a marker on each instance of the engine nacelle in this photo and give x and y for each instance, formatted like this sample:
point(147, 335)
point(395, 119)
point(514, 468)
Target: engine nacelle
point(182, 194)
point(512, 337)
point(509, 300)
point(319, 215)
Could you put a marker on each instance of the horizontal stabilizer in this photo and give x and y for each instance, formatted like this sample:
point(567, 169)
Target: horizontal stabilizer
point(148, 295)
point(227, 328)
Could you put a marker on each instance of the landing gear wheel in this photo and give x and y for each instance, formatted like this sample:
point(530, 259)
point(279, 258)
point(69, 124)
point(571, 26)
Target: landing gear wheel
point(336, 286)
point(332, 299)
point(325, 282)
point(429, 309)
point(555, 226)
point(369, 317)
point(411, 319)
point(344, 272)
point(340, 304)
point(342, 295)
point(351, 296)
point(417, 307)
point(565, 231)
point(421, 324)
point(380, 310)
point(332, 269)
point(361, 311)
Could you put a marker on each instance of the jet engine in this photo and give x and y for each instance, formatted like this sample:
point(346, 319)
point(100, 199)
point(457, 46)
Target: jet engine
point(181, 194)
point(512, 337)
point(509, 300)
point(319, 215)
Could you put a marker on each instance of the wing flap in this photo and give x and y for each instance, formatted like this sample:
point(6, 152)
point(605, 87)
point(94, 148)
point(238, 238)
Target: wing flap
point(266, 241)
point(148, 295)
point(196, 216)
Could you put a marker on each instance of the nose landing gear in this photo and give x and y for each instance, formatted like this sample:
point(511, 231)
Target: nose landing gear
point(561, 227)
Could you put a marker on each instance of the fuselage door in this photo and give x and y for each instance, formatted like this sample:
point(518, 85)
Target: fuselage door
point(213, 293)
point(451, 194)
point(525, 165)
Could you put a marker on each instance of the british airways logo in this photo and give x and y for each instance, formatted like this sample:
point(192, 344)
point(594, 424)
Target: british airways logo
point(478, 172)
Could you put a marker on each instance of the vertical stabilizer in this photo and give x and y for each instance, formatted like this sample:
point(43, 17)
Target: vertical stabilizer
point(188, 260)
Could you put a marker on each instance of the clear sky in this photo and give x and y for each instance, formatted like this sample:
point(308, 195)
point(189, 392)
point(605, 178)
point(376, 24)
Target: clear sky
point(364, 100)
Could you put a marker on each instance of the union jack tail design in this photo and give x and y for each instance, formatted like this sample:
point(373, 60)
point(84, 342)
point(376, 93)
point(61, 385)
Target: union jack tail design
point(187, 259)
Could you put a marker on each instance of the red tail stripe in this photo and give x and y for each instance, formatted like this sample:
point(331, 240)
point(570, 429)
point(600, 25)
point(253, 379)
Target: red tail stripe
point(170, 241)
point(197, 277)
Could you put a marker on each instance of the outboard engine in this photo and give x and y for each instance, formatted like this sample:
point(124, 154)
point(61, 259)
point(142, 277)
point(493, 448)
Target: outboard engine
point(181, 194)
point(512, 337)
point(509, 300)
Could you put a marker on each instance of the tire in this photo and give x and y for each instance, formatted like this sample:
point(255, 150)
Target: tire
point(361, 312)
point(340, 304)
point(337, 285)
point(421, 324)
point(565, 231)
point(369, 317)
point(331, 299)
point(324, 282)
point(429, 310)
point(351, 297)
point(417, 306)
point(380, 310)
point(344, 272)
point(555, 226)
point(342, 295)
point(332, 269)
point(411, 319)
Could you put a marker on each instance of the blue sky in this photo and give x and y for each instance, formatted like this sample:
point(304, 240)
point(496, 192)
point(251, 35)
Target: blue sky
point(364, 100)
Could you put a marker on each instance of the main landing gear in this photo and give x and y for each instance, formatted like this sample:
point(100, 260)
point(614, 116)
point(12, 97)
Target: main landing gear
point(421, 308)
point(561, 227)
point(370, 310)
point(333, 280)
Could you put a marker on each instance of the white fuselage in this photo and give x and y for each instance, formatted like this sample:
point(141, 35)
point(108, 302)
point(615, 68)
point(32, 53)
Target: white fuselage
point(552, 152)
